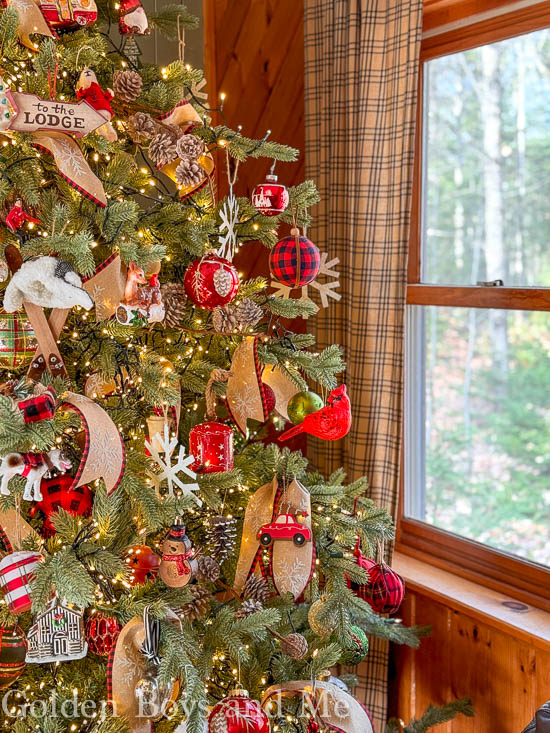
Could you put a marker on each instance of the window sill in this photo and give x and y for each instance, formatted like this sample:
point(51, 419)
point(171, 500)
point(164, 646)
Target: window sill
point(516, 618)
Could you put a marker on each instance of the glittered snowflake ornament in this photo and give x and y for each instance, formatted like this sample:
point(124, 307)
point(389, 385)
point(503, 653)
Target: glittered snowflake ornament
point(162, 450)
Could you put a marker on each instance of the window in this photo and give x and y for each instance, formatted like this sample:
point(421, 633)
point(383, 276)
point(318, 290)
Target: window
point(477, 409)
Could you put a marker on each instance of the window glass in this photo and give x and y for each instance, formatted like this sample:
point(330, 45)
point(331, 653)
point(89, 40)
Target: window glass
point(486, 211)
point(478, 425)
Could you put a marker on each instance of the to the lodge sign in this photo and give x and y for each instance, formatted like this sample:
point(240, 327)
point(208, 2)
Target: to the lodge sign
point(34, 113)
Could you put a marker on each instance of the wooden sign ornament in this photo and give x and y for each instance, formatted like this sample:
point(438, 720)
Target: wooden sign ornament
point(33, 114)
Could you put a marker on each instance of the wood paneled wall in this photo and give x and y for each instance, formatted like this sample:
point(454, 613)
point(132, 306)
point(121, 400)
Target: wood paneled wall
point(506, 677)
point(255, 55)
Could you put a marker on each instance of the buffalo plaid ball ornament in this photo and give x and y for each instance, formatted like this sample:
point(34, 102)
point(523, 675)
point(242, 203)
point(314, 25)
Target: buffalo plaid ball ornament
point(17, 340)
point(295, 261)
point(58, 492)
point(39, 407)
point(385, 589)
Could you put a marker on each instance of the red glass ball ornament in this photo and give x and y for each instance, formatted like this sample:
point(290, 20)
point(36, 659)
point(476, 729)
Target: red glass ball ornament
point(270, 198)
point(13, 650)
point(57, 493)
point(238, 714)
point(211, 444)
point(143, 564)
point(211, 281)
point(269, 398)
point(295, 261)
point(101, 633)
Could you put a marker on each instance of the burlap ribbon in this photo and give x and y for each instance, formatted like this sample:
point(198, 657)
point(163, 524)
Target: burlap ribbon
point(327, 702)
point(106, 287)
point(245, 390)
point(31, 20)
point(282, 387)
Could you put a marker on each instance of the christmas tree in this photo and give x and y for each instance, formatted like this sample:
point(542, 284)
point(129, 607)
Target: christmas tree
point(159, 547)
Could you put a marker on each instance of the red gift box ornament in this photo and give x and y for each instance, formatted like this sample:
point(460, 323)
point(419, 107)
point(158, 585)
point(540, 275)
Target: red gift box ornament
point(211, 443)
point(39, 406)
point(270, 198)
point(16, 576)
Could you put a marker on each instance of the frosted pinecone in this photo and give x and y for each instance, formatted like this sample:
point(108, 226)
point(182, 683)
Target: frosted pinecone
point(197, 608)
point(256, 589)
point(209, 570)
point(127, 85)
point(224, 319)
point(248, 608)
point(189, 146)
point(189, 173)
point(221, 537)
point(162, 149)
point(295, 646)
point(248, 313)
point(141, 127)
point(174, 299)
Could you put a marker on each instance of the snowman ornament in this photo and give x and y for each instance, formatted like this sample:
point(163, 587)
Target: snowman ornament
point(132, 19)
point(178, 563)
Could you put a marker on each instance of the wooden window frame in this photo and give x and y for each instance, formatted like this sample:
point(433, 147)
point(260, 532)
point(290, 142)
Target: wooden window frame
point(505, 573)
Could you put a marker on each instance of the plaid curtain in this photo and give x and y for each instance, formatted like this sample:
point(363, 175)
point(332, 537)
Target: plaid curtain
point(361, 72)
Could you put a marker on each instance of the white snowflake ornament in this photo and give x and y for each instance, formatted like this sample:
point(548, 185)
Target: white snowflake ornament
point(229, 215)
point(169, 471)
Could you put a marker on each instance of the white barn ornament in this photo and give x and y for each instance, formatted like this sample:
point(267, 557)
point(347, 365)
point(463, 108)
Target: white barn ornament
point(57, 634)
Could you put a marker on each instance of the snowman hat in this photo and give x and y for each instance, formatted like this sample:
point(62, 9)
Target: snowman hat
point(177, 532)
point(127, 6)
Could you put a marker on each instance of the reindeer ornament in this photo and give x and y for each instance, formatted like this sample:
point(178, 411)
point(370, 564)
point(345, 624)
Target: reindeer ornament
point(141, 300)
point(33, 466)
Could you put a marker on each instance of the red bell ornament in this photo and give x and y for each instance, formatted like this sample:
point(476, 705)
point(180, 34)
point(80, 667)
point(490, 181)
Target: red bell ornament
point(143, 564)
point(270, 198)
point(101, 633)
point(238, 714)
point(211, 444)
point(295, 261)
point(211, 281)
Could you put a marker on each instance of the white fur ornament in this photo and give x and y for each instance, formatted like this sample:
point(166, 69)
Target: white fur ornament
point(47, 282)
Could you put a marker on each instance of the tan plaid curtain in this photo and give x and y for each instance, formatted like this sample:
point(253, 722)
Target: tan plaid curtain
point(361, 72)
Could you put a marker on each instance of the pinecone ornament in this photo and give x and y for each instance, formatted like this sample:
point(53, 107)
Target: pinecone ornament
point(248, 313)
point(141, 127)
point(127, 85)
point(189, 173)
point(294, 646)
point(209, 570)
point(174, 299)
point(223, 282)
point(248, 608)
point(190, 146)
point(224, 319)
point(221, 537)
point(218, 723)
point(256, 589)
point(197, 608)
point(162, 149)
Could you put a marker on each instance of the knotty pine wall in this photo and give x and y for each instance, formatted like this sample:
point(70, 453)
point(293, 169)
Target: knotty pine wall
point(254, 53)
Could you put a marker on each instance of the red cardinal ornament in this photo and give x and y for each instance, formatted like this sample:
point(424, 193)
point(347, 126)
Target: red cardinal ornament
point(18, 216)
point(331, 422)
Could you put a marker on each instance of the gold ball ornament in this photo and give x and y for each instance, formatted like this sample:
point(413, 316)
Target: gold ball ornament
point(322, 621)
point(303, 404)
point(17, 340)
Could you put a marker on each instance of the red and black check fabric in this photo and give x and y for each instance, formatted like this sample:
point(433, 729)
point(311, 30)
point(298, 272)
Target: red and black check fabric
point(284, 265)
point(385, 589)
point(39, 407)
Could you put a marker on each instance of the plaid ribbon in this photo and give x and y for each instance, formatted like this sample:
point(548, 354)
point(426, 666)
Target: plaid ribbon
point(360, 152)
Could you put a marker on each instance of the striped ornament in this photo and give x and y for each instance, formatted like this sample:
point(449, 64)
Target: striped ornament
point(13, 648)
point(16, 575)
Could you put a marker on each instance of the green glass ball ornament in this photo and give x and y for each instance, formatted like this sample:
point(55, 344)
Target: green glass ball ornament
point(303, 404)
point(358, 647)
point(322, 621)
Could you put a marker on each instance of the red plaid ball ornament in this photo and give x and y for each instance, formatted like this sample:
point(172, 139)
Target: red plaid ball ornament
point(270, 198)
point(17, 340)
point(211, 281)
point(385, 589)
point(295, 261)
point(368, 564)
point(101, 633)
point(57, 493)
